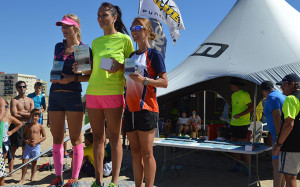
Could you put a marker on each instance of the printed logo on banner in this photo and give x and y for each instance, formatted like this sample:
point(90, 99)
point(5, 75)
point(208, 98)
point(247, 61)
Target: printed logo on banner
point(165, 11)
point(213, 50)
point(168, 10)
point(160, 42)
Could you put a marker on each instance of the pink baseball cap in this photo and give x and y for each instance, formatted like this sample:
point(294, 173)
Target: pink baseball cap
point(67, 21)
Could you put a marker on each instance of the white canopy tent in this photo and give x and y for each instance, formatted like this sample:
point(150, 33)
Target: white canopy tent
point(258, 40)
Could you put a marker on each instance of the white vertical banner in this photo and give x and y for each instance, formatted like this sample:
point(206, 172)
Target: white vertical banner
point(166, 11)
point(160, 41)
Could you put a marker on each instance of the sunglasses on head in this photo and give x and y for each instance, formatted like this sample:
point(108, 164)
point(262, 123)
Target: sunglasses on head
point(21, 86)
point(136, 28)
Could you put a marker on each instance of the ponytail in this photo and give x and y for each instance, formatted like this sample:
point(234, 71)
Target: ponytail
point(119, 25)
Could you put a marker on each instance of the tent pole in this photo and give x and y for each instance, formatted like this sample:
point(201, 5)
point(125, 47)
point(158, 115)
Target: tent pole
point(254, 113)
point(204, 109)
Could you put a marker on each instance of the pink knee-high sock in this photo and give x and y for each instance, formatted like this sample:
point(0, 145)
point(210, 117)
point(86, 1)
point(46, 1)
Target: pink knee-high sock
point(58, 157)
point(77, 160)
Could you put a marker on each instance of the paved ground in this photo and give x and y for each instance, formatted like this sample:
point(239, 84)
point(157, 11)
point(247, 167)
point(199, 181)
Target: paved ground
point(123, 183)
point(199, 169)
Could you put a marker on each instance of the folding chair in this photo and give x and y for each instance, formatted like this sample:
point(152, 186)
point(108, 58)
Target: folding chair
point(258, 131)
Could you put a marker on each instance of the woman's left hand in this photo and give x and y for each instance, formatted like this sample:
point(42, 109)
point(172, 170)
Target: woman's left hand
point(9, 133)
point(137, 77)
point(115, 66)
point(75, 69)
point(67, 79)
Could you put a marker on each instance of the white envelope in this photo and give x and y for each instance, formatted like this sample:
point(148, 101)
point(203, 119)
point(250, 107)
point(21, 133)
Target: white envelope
point(106, 63)
point(248, 147)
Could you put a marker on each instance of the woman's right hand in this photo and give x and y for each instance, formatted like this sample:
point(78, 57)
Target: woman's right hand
point(67, 79)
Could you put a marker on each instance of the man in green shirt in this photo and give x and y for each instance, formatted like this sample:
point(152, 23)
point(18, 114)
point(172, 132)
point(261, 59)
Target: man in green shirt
point(240, 117)
point(289, 136)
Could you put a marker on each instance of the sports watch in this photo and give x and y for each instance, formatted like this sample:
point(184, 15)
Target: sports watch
point(146, 81)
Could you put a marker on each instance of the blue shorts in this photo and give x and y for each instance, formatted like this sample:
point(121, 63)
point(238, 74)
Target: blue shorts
point(31, 152)
point(65, 101)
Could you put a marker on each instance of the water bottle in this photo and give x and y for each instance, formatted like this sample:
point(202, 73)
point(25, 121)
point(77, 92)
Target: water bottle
point(67, 163)
point(50, 164)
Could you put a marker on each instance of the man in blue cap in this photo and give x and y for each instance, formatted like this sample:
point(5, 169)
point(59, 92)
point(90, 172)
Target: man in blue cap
point(288, 142)
point(272, 111)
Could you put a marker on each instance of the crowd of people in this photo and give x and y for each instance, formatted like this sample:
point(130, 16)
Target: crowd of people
point(186, 127)
point(281, 111)
point(282, 115)
point(21, 126)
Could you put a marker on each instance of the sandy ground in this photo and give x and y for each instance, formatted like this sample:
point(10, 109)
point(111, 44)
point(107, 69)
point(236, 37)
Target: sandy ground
point(199, 168)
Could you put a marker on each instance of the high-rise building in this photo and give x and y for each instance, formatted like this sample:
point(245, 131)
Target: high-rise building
point(8, 83)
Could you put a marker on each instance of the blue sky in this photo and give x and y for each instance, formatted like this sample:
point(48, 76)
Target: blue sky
point(29, 34)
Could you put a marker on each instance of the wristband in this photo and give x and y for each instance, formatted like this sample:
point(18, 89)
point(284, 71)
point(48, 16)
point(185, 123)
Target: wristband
point(278, 144)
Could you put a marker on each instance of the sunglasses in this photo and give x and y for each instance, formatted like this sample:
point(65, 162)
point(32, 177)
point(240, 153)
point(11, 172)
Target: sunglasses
point(136, 28)
point(21, 86)
point(284, 84)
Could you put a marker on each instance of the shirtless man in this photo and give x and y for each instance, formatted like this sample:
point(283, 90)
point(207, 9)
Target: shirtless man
point(21, 106)
point(32, 137)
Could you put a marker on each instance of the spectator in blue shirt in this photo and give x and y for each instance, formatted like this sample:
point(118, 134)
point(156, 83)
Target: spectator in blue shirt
point(273, 112)
point(38, 99)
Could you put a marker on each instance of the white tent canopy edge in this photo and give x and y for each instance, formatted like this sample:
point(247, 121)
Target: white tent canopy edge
point(257, 40)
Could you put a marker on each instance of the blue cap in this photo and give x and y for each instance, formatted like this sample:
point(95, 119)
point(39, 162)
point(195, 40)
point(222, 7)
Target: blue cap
point(289, 78)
